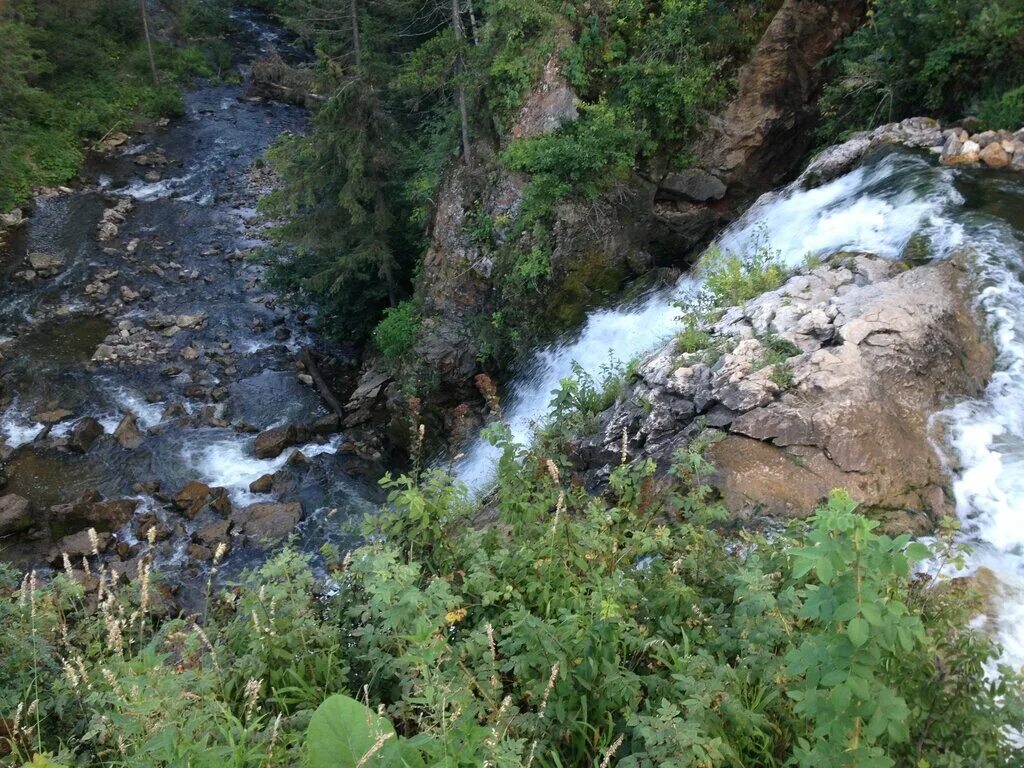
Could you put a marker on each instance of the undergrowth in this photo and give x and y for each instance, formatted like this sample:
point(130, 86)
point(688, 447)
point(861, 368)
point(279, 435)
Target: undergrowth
point(619, 629)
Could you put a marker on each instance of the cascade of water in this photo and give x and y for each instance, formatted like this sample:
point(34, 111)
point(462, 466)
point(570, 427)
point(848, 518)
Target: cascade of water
point(877, 209)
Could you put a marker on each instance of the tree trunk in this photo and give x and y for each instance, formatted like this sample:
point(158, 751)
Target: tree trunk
point(460, 94)
point(472, 22)
point(149, 43)
point(356, 46)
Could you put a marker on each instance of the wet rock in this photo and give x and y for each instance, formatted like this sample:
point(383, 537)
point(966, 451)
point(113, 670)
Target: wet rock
point(213, 534)
point(91, 509)
point(15, 514)
point(191, 499)
point(199, 552)
point(79, 545)
point(267, 522)
point(270, 443)
point(994, 156)
point(14, 218)
point(113, 140)
point(128, 434)
point(53, 417)
point(45, 264)
point(262, 484)
point(326, 425)
point(695, 185)
point(103, 353)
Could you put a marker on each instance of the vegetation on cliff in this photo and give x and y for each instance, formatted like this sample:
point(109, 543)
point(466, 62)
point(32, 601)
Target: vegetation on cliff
point(629, 630)
point(410, 88)
point(944, 58)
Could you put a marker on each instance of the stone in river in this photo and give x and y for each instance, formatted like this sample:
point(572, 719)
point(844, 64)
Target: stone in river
point(128, 433)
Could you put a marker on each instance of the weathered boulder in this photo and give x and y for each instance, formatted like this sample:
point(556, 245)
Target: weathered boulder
point(45, 264)
point(78, 545)
point(92, 509)
point(694, 184)
point(15, 514)
point(262, 484)
point(83, 434)
point(829, 381)
point(194, 497)
point(270, 443)
point(267, 522)
point(128, 434)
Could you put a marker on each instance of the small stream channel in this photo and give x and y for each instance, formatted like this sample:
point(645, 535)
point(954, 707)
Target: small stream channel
point(204, 352)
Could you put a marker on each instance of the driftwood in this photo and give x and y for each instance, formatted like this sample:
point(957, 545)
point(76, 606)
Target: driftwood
point(306, 358)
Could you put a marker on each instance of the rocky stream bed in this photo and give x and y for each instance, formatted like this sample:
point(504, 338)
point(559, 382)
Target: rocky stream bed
point(149, 376)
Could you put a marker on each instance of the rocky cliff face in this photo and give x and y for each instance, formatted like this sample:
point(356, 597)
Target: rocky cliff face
point(656, 217)
point(826, 382)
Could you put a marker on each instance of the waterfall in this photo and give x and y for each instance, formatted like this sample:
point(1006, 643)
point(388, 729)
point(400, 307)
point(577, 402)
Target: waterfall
point(877, 209)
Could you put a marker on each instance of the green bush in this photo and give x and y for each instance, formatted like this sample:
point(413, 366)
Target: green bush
point(398, 331)
point(625, 628)
point(939, 57)
point(1005, 111)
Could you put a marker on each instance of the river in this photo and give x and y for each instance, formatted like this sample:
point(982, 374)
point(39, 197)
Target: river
point(198, 393)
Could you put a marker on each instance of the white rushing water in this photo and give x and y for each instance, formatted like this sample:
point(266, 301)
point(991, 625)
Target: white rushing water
point(877, 208)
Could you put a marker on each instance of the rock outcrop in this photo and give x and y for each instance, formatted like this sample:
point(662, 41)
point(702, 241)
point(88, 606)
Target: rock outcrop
point(829, 381)
point(654, 217)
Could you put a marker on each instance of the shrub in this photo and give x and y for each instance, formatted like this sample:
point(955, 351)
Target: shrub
point(931, 56)
point(397, 332)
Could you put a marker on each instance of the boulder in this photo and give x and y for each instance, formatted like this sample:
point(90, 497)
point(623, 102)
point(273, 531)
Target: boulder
point(267, 522)
point(128, 434)
point(262, 484)
point(78, 545)
point(45, 264)
point(15, 514)
point(213, 534)
point(191, 499)
point(695, 185)
point(270, 443)
point(825, 380)
point(994, 156)
point(83, 434)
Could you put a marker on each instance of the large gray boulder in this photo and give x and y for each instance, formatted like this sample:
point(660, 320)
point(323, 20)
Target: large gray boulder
point(829, 381)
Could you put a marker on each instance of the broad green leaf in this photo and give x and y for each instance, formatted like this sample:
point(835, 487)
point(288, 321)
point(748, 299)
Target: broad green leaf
point(343, 732)
point(857, 631)
point(918, 551)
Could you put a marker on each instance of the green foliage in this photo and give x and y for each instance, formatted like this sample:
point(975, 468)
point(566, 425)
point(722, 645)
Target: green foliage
point(731, 280)
point(71, 73)
point(579, 629)
point(1003, 111)
point(345, 734)
point(397, 332)
point(582, 158)
point(942, 57)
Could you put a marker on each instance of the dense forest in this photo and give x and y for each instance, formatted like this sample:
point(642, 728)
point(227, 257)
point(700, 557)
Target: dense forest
point(550, 620)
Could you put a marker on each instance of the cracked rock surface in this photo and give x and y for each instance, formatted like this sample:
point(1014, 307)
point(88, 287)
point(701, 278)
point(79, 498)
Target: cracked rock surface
point(829, 381)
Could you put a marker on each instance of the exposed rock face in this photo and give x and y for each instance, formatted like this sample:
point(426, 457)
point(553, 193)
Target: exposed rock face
point(766, 129)
point(755, 143)
point(827, 382)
